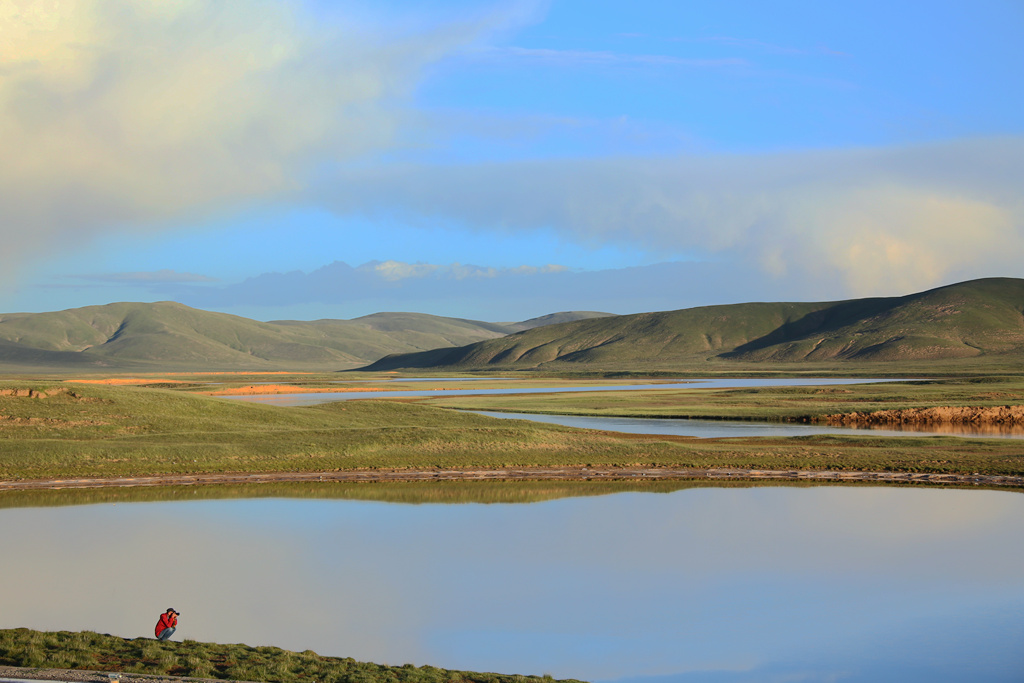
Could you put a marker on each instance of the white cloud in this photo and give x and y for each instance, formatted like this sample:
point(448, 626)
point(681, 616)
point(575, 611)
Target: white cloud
point(129, 111)
point(484, 292)
point(396, 270)
point(880, 221)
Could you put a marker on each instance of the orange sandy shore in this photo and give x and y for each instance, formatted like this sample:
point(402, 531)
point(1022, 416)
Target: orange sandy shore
point(164, 377)
point(125, 381)
point(256, 389)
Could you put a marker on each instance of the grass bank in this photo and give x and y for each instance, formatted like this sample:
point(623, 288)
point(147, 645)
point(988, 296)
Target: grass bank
point(98, 652)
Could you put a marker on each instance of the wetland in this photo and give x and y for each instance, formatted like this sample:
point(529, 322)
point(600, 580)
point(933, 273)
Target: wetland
point(627, 577)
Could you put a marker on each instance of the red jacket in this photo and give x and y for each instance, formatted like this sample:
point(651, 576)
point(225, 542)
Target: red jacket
point(167, 620)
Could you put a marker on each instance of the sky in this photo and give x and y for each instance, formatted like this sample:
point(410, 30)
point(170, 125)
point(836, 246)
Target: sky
point(500, 160)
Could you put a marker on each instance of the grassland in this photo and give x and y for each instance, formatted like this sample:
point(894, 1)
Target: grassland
point(98, 652)
point(768, 403)
point(104, 430)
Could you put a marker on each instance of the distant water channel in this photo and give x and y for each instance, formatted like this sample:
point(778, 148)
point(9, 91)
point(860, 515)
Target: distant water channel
point(710, 429)
point(314, 398)
point(702, 585)
point(668, 426)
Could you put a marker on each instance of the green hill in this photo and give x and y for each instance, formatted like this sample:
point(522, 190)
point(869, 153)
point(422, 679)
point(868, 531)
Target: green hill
point(554, 319)
point(171, 335)
point(971, 319)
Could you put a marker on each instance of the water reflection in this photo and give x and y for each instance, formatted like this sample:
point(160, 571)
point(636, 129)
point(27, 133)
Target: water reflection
point(697, 585)
point(714, 429)
point(412, 493)
point(944, 428)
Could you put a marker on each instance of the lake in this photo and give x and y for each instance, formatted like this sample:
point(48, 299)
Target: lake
point(695, 585)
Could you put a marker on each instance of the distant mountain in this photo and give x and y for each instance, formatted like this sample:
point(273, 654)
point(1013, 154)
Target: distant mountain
point(167, 334)
point(981, 317)
point(554, 319)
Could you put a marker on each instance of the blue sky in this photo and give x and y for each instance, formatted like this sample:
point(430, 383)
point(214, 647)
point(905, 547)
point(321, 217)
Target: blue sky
point(502, 160)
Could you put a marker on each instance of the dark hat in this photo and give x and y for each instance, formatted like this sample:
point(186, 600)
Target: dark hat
point(171, 609)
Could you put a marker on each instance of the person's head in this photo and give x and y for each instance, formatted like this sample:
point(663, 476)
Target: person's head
point(171, 610)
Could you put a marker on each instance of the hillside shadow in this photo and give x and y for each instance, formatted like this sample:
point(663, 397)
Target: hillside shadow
point(822, 321)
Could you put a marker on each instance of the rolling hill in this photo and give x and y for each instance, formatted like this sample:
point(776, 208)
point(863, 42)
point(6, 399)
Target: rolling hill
point(172, 335)
point(966, 320)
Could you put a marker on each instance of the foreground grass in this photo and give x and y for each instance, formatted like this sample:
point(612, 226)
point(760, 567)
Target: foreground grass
point(127, 431)
point(98, 652)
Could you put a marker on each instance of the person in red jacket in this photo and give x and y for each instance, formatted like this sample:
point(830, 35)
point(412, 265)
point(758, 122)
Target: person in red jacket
point(167, 625)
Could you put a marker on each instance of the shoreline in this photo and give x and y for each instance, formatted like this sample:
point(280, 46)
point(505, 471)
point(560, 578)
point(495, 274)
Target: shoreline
point(22, 673)
point(517, 474)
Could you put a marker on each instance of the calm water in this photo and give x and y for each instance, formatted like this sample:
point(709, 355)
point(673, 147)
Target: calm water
point(708, 429)
point(731, 383)
point(700, 585)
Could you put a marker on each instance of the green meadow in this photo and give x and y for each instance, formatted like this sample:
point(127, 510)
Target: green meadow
point(102, 430)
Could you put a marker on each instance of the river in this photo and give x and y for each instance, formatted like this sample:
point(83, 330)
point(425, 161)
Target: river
point(669, 426)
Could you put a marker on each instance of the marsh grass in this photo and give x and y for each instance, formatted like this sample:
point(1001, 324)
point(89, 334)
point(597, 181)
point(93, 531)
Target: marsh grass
point(129, 431)
point(97, 652)
point(758, 403)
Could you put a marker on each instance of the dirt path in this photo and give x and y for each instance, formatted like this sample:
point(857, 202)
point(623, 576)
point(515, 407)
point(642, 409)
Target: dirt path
point(515, 474)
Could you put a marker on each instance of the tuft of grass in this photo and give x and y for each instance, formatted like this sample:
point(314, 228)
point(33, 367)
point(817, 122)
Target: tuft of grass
point(99, 652)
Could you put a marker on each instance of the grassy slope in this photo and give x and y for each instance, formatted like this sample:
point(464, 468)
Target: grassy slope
point(978, 318)
point(170, 334)
point(100, 652)
point(118, 431)
point(555, 319)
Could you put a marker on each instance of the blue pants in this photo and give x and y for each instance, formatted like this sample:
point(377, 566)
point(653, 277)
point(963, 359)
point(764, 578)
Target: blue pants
point(166, 633)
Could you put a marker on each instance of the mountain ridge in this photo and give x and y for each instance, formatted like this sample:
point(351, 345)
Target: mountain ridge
point(169, 334)
point(964, 320)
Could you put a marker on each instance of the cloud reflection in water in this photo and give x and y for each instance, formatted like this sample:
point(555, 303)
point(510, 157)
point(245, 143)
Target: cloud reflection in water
point(705, 582)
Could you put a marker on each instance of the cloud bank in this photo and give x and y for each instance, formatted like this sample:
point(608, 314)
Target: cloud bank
point(879, 221)
point(339, 290)
point(128, 111)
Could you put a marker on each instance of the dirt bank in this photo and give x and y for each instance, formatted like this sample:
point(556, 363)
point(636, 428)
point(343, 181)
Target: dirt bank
point(965, 415)
point(518, 474)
